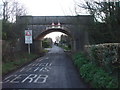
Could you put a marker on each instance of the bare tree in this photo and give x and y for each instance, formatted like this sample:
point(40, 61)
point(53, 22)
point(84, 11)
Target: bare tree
point(92, 7)
point(100, 9)
point(106, 14)
point(5, 11)
point(11, 9)
point(17, 10)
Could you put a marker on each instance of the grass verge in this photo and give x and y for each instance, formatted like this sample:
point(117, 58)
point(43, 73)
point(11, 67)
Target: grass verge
point(18, 60)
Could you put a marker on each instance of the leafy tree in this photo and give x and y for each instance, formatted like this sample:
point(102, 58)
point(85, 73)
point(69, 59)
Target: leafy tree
point(107, 22)
point(47, 42)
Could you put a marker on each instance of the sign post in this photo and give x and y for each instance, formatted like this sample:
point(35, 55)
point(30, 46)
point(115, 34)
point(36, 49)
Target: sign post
point(28, 38)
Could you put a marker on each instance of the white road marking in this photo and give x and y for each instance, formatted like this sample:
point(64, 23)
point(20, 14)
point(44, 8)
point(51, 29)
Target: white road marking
point(38, 59)
point(41, 79)
point(50, 64)
point(33, 64)
point(30, 78)
point(37, 64)
point(44, 69)
point(43, 64)
point(30, 68)
point(47, 64)
point(7, 79)
point(36, 69)
point(40, 64)
point(22, 70)
point(17, 79)
point(46, 58)
point(41, 59)
point(29, 64)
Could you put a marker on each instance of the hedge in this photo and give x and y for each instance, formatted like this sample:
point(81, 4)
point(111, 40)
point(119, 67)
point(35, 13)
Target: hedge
point(106, 55)
point(95, 75)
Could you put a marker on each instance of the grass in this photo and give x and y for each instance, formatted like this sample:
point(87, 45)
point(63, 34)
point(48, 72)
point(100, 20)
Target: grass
point(17, 61)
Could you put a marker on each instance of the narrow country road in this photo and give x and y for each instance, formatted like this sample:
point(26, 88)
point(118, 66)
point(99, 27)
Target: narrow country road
point(54, 70)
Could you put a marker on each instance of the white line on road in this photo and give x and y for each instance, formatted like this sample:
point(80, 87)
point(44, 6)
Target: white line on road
point(30, 78)
point(22, 70)
point(7, 79)
point(41, 79)
point(17, 78)
point(46, 58)
point(26, 78)
point(36, 69)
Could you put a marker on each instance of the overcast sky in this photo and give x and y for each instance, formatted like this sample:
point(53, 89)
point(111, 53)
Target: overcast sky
point(50, 8)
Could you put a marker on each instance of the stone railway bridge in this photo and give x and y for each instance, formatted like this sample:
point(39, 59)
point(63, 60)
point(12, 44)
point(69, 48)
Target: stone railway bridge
point(74, 26)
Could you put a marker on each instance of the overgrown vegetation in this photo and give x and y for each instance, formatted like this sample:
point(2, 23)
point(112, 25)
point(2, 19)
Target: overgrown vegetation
point(11, 32)
point(18, 60)
point(103, 64)
point(65, 42)
point(93, 74)
point(105, 55)
point(106, 28)
point(47, 43)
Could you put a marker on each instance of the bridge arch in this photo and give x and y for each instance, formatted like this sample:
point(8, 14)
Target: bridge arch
point(38, 39)
point(77, 27)
point(44, 33)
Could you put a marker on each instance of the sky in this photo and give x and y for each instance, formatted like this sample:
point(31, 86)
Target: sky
point(50, 8)
point(53, 35)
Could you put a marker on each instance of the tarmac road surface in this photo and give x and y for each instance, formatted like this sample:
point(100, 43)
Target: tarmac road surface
point(54, 70)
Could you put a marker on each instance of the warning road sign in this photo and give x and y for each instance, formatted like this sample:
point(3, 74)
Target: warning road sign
point(28, 36)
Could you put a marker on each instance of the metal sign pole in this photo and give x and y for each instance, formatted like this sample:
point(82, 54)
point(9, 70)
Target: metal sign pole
point(29, 48)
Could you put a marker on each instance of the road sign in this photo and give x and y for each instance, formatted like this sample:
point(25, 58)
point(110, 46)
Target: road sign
point(28, 36)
